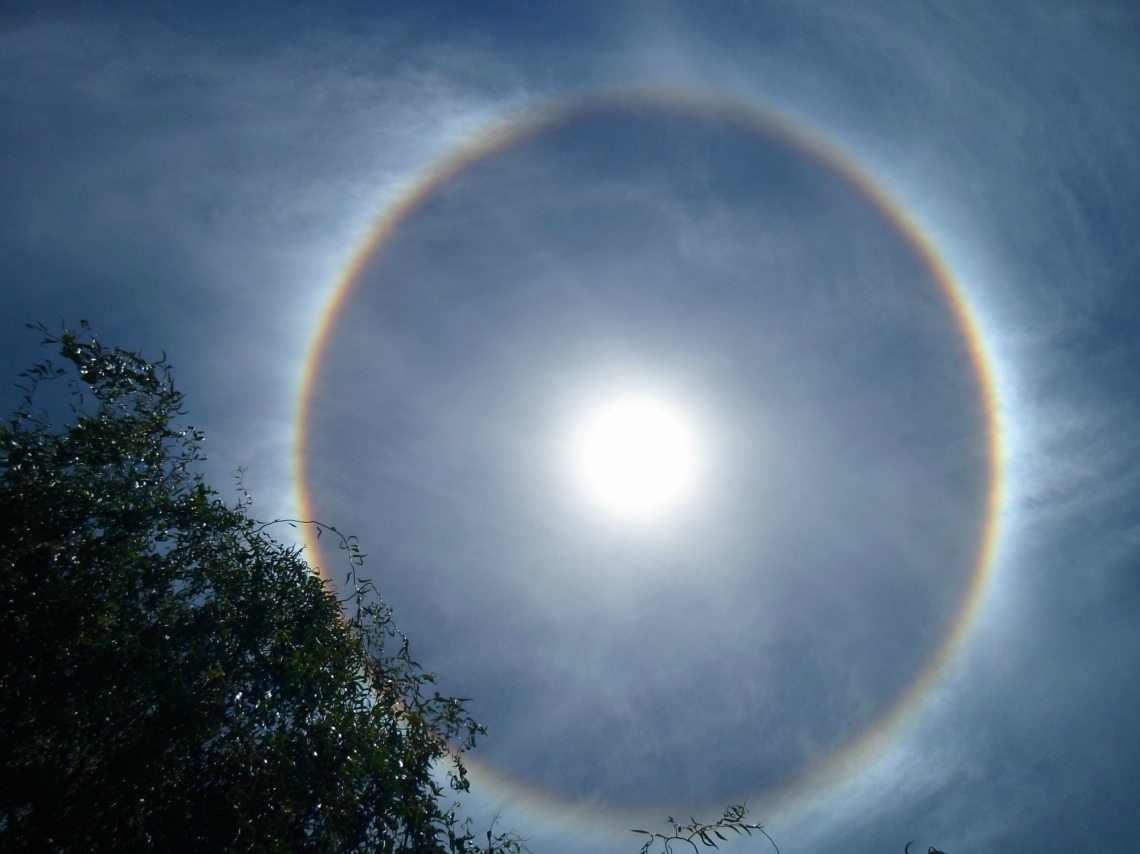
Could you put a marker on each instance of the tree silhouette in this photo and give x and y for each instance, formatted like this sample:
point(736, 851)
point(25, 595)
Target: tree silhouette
point(174, 678)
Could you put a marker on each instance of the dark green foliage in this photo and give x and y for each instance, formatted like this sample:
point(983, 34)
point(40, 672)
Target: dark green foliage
point(172, 677)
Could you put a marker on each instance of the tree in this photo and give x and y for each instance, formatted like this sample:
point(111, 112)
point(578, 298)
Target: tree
point(173, 677)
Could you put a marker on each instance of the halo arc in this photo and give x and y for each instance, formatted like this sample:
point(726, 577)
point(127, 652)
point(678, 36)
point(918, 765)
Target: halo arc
point(528, 123)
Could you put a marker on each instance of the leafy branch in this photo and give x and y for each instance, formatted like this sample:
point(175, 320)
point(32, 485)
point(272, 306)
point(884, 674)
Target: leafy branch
point(733, 821)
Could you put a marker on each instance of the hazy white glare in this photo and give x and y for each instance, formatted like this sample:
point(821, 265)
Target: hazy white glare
point(637, 456)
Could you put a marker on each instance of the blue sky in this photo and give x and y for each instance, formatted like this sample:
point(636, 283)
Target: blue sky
point(727, 206)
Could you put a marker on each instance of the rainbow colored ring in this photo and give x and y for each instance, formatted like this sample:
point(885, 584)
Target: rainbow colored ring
point(559, 113)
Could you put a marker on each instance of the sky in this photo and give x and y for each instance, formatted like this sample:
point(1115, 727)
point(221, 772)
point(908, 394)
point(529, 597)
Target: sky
point(873, 263)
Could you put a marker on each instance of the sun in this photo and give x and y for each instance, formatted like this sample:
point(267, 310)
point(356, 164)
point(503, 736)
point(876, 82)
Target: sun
point(637, 456)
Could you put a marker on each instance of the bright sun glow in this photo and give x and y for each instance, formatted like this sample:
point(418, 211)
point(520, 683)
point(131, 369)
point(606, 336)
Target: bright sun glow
point(637, 456)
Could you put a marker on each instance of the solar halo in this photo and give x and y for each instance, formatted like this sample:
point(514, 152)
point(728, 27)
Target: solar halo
point(518, 132)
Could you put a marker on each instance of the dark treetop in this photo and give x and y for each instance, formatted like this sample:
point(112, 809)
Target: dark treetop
point(175, 679)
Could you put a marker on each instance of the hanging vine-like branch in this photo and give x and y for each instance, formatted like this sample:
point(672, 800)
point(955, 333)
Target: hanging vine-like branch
point(733, 821)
